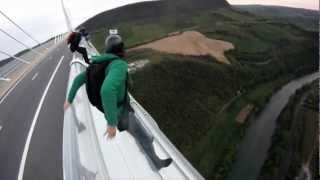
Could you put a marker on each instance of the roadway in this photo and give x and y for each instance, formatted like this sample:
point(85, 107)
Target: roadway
point(31, 121)
point(30, 56)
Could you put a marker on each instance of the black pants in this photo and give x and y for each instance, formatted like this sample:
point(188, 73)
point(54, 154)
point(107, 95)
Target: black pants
point(84, 53)
point(127, 121)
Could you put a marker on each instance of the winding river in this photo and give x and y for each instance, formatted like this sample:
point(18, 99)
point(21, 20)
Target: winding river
point(254, 148)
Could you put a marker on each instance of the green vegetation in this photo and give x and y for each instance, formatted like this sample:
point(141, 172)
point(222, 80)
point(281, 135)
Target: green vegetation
point(295, 139)
point(140, 32)
point(307, 19)
point(190, 92)
point(186, 94)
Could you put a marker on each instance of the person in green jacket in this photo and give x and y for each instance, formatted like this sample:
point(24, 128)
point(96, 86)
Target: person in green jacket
point(113, 87)
point(111, 97)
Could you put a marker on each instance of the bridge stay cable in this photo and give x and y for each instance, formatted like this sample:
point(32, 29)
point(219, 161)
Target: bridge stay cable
point(28, 47)
point(15, 57)
point(19, 27)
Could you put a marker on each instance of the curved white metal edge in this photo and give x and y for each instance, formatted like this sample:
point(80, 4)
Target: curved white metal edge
point(70, 148)
point(79, 138)
point(73, 168)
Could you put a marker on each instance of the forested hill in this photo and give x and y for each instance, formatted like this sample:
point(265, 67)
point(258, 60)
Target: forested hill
point(195, 100)
point(304, 18)
point(151, 10)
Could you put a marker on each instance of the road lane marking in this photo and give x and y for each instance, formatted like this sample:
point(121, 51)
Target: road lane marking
point(13, 87)
point(17, 81)
point(34, 77)
point(11, 70)
point(0, 128)
point(5, 79)
point(34, 121)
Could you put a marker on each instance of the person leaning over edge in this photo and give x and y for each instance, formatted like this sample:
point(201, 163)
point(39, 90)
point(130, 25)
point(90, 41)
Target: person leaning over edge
point(108, 92)
point(76, 40)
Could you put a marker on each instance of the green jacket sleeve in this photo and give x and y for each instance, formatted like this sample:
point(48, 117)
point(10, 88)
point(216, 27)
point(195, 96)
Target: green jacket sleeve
point(77, 83)
point(110, 88)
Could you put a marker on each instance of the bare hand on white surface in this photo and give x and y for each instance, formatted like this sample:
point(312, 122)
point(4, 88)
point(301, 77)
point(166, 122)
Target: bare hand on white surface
point(66, 105)
point(110, 132)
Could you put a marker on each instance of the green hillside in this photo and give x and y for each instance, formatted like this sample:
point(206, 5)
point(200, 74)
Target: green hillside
point(150, 11)
point(304, 18)
point(195, 100)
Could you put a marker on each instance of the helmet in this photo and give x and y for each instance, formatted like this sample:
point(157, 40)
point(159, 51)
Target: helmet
point(114, 44)
point(82, 29)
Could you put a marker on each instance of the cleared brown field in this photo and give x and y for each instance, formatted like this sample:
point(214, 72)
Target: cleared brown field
point(191, 43)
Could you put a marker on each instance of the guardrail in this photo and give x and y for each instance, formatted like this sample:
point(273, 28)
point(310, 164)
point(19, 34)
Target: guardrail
point(87, 154)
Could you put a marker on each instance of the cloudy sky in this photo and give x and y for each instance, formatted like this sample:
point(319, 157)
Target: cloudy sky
point(308, 4)
point(44, 18)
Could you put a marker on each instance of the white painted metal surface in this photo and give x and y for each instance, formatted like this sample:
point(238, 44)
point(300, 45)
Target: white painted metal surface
point(87, 154)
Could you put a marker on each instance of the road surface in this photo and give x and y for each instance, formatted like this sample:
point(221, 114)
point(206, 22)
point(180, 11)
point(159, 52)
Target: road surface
point(30, 56)
point(35, 101)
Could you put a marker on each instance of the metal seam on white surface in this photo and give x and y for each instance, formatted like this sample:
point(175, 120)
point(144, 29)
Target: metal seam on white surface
point(124, 159)
point(97, 143)
point(34, 121)
point(93, 134)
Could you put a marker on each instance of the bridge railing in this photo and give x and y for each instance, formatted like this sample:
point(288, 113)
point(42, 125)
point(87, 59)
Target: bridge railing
point(88, 154)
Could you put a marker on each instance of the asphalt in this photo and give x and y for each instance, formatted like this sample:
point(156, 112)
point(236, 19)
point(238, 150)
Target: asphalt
point(28, 56)
point(44, 158)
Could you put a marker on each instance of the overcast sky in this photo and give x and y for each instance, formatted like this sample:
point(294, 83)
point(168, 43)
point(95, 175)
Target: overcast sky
point(307, 4)
point(44, 18)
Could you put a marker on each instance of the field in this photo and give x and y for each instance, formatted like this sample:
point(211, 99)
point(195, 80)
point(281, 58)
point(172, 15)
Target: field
point(194, 99)
point(191, 43)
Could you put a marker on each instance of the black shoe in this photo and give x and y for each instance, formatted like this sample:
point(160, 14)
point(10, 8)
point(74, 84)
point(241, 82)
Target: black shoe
point(163, 163)
point(123, 123)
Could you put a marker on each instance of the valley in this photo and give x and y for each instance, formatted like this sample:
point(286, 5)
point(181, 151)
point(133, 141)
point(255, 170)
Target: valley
point(195, 98)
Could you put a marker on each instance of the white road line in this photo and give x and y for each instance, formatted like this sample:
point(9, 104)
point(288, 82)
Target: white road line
point(5, 79)
point(0, 128)
point(12, 88)
point(7, 67)
point(34, 76)
point(34, 121)
point(11, 70)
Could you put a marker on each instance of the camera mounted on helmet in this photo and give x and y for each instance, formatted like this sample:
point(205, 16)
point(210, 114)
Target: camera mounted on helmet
point(114, 43)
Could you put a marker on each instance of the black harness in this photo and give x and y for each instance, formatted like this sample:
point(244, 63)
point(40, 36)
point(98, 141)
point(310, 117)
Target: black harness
point(95, 75)
point(74, 44)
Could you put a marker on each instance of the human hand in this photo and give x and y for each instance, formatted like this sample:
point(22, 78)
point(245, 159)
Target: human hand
point(111, 132)
point(66, 105)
